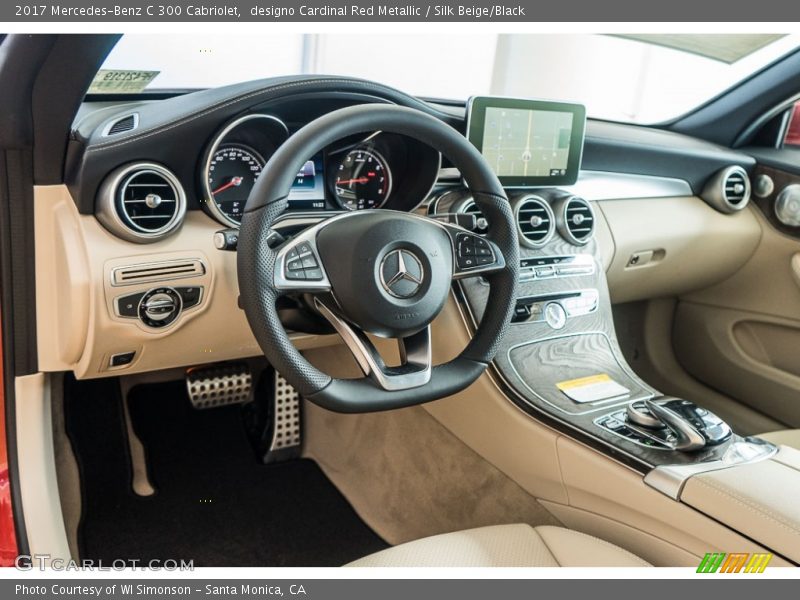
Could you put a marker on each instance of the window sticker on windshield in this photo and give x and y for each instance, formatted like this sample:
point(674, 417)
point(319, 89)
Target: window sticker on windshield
point(117, 81)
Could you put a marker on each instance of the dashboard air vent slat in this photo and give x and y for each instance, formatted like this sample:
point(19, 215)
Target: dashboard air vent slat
point(143, 202)
point(535, 221)
point(150, 272)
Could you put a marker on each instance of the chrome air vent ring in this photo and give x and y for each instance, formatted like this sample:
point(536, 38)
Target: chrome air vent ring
point(536, 222)
point(141, 202)
point(575, 220)
point(728, 190)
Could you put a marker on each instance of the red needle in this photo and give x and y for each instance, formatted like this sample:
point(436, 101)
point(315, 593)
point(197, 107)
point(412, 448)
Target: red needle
point(349, 181)
point(234, 182)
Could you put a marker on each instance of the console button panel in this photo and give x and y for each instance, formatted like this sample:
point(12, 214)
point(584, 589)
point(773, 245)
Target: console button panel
point(549, 267)
point(555, 309)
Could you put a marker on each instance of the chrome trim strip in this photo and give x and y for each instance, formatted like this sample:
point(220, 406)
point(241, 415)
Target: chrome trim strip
point(671, 479)
point(608, 185)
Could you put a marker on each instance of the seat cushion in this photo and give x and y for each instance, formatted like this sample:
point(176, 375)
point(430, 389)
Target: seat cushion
point(784, 437)
point(505, 546)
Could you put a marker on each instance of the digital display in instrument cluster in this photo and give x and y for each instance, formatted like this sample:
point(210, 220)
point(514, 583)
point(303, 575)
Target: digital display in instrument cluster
point(308, 189)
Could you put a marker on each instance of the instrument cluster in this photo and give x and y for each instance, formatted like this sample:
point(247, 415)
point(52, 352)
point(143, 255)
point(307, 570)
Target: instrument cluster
point(380, 170)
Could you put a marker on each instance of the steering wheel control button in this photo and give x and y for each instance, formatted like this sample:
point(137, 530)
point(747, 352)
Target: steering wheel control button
point(128, 306)
point(402, 273)
point(555, 315)
point(472, 251)
point(190, 295)
point(160, 307)
point(302, 264)
point(295, 265)
point(309, 262)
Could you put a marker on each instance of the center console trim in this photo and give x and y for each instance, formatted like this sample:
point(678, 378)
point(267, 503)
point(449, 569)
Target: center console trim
point(671, 479)
point(606, 405)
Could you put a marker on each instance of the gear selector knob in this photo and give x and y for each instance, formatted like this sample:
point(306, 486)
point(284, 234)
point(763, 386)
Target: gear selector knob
point(638, 414)
point(694, 427)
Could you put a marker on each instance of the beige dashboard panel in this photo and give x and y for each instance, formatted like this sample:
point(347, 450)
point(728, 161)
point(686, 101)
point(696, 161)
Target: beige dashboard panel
point(682, 244)
point(78, 329)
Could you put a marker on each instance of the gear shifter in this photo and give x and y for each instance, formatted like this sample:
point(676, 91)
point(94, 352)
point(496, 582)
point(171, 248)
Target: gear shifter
point(693, 428)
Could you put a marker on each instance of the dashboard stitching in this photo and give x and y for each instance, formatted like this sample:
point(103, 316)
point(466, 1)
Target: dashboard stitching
point(229, 102)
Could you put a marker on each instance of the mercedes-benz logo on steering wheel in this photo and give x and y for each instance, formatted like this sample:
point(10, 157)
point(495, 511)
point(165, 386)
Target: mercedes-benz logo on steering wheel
point(401, 273)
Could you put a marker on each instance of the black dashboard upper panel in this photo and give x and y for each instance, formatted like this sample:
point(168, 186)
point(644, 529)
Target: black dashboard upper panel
point(647, 151)
point(167, 128)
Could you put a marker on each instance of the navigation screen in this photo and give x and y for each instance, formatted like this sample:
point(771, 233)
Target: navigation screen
point(528, 143)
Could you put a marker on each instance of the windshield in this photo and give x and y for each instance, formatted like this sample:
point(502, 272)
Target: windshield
point(633, 78)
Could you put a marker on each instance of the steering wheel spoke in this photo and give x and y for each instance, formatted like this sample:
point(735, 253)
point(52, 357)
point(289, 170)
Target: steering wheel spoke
point(415, 353)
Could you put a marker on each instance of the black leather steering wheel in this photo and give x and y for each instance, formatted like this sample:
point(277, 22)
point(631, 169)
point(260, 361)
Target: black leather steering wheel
point(382, 272)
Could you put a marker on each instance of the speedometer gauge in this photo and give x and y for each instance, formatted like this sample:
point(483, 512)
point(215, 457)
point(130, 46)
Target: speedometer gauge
point(232, 172)
point(362, 180)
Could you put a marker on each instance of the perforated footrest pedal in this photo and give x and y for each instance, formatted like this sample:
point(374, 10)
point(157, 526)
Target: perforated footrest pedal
point(286, 426)
point(210, 387)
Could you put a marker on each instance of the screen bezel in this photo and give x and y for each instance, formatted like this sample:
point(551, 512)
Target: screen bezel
point(476, 123)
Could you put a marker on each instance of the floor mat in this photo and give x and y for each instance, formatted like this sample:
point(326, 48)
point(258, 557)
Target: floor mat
point(214, 503)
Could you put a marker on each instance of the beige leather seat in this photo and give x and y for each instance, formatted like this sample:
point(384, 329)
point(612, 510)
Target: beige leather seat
point(505, 546)
point(785, 437)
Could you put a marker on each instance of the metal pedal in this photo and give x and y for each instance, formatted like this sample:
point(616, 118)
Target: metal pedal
point(210, 387)
point(286, 426)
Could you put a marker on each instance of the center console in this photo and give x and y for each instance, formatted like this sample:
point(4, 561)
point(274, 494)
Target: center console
point(560, 360)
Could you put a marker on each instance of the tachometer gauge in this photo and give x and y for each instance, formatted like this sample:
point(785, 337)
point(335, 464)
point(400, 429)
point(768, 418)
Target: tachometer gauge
point(362, 180)
point(232, 172)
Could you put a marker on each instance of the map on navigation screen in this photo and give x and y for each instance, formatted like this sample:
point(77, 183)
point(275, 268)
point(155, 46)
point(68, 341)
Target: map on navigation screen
point(527, 143)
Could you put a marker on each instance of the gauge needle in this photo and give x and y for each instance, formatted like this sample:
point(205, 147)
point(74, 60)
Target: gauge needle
point(349, 181)
point(234, 182)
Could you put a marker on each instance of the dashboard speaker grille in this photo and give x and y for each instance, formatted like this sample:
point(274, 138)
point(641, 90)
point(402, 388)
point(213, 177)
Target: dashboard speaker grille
point(122, 125)
point(578, 220)
point(535, 221)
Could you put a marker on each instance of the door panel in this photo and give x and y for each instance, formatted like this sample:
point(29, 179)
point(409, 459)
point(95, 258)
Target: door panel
point(742, 336)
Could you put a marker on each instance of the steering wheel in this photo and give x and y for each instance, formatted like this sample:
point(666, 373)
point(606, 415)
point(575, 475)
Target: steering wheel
point(377, 271)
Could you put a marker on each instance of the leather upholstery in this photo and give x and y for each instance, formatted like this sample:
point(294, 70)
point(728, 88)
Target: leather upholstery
point(515, 545)
point(785, 437)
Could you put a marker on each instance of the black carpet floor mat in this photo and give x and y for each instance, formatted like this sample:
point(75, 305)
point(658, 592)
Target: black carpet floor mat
point(215, 503)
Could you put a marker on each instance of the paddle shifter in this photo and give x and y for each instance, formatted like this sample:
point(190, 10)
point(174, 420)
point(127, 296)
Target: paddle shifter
point(681, 424)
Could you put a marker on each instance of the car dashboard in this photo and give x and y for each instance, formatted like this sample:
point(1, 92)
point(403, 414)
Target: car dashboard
point(134, 264)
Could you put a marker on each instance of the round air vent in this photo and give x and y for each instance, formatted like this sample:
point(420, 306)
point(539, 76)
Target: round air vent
point(142, 202)
point(535, 221)
point(728, 190)
point(575, 219)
